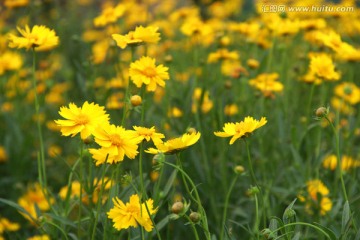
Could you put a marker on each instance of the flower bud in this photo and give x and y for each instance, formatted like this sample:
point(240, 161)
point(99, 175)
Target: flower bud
point(191, 130)
point(322, 112)
point(228, 84)
point(177, 207)
point(239, 169)
point(135, 100)
point(88, 140)
point(195, 217)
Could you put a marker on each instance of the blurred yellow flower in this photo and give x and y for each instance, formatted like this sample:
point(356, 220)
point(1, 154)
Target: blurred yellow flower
point(132, 214)
point(207, 103)
point(39, 38)
point(253, 63)
point(144, 71)
point(342, 106)
point(16, 3)
point(39, 237)
point(347, 162)
point(6, 225)
point(109, 15)
point(222, 54)
point(140, 35)
point(175, 112)
point(231, 109)
point(349, 92)
point(34, 196)
point(318, 197)
point(10, 61)
point(3, 154)
point(267, 83)
point(81, 120)
point(116, 142)
point(241, 129)
point(323, 67)
point(176, 145)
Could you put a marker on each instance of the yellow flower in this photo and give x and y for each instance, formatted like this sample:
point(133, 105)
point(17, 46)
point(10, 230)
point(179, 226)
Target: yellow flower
point(347, 162)
point(241, 129)
point(132, 213)
point(222, 54)
point(3, 154)
point(139, 36)
point(81, 120)
point(175, 112)
point(34, 196)
point(176, 145)
point(349, 92)
point(148, 134)
point(16, 3)
point(342, 106)
point(267, 83)
point(109, 15)
point(207, 103)
point(323, 67)
point(316, 189)
point(253, 63)
point(144, 71)
point(40, 38)
point(10, 61)
point(39, 237)
point(6, 225)
point(116, 143)
point(231, 109)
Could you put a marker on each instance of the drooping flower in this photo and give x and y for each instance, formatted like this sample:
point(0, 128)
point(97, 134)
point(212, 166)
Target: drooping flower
point(116, 142)
point(139, 36)
point(241, 129)
point(81, 120)
point(176, 145)
point(132, 214)
point(144, 71)
point(40, 38)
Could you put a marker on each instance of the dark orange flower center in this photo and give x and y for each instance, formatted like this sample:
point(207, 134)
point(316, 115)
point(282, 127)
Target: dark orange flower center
point(149, 72)
point(82, 119)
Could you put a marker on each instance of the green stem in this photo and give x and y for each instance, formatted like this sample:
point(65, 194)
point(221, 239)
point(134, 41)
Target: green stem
point(256, 223)
point(253, 178)
point(303, 224)
point(339, 160)
point(81, 185)
point(197, 197)
point(192, 226)
point(226, 205)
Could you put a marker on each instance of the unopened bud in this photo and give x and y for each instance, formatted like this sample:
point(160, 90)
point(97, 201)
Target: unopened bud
point(177, 207)
point(239, 169)
point(191, 130)
point(88, 140)
point(135, 100)
point(195, 217)
point(322, 112)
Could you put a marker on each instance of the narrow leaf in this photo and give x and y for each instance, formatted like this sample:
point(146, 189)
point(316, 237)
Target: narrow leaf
point(345, 216)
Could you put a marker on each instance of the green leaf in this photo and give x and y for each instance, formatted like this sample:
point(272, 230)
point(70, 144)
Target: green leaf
point(296, 236)
point(357, 237)
point(273, 226)
point(17, 207)
point(345, 217)
point(327, 230)
point(170, 182)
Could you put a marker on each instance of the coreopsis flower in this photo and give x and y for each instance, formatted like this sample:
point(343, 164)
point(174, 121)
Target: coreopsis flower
point(347, 162)
point(10, 61)
point(231, 109)
point(6, 225)
point(349, 92)
point(253, 63)
point(175, 112)
point(340, 105)
point(347, 52)
point(34, 199)
point(39, 38)
point(144, 71)
point(109, 15)
point(222, 54)
point(323, 67)
point(116, 142)
point(317, 197)
point(267, 83)
point(16, 3)
point(207, 103)
point(3, 154)
point(132, 214)
point(139, 36)
point(39, 237)
point(176, 145)
point(148, 134)
point(241, 129)
point(81, 120)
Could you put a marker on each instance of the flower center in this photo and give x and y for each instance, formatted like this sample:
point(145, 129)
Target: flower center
point(133, 209)
point(115, 139)
point(347, 90)
point(82, 119)
point(149, 72)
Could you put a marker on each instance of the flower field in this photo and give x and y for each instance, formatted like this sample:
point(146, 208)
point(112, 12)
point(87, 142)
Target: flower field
point(179, 120)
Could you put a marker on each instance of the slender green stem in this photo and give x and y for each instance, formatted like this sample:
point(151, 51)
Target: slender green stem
point(43, 178)
point(226, 205)
point(303, 224)
point(339, 160)
point(99, 202)
point(256, 223)
point(253, 178)
point(81, 185)
point(192, 227)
